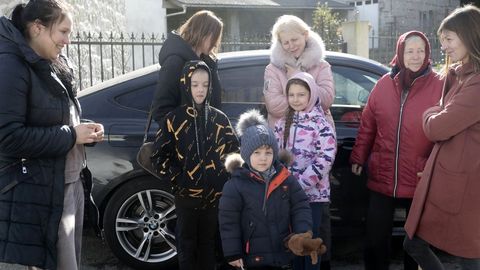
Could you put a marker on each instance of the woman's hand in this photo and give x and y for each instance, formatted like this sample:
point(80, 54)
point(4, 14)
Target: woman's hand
point(99, 131)
point(238, 263)
point(356, 169)
point(89, 133)
point(291, 70)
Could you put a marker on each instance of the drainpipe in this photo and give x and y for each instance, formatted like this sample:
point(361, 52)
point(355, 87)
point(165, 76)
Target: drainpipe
point(184, 10)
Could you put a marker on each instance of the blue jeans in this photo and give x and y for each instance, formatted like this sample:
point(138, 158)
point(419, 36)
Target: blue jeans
point(420, 250)
point(305, 263)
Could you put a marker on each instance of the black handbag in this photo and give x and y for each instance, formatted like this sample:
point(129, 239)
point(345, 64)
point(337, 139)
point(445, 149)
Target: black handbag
point(146, 150)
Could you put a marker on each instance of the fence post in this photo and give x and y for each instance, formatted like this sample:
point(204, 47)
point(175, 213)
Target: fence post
point(89, 40)
point(143, 49)
point(123, 53)
point(132, 37)
point(152, 39)
point(100, 37)
point(79, 61)
point(111, 54)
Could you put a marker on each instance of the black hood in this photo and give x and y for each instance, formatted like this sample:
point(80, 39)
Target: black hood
point(186, 78)
point(176, 45)
point(13, 42)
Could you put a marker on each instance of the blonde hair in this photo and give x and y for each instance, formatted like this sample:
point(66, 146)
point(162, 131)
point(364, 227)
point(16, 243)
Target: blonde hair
point(465, 22)
point(200, 26)
point(288, 24)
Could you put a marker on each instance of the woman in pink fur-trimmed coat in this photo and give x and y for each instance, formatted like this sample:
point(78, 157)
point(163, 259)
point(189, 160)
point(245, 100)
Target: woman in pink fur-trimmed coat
point(295, 48)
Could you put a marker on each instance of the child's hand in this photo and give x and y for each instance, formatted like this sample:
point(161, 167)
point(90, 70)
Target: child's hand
point(238, 263)
point(291, 70)
point(356, 169)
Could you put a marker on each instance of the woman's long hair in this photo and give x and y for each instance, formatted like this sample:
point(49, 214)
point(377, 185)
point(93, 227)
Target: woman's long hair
point(465, 22)
point(201, 25)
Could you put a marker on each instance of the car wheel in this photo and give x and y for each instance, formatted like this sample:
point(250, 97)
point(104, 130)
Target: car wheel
point(139, 224)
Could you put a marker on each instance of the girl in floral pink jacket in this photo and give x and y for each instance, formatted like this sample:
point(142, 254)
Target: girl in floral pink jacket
point(310, 138)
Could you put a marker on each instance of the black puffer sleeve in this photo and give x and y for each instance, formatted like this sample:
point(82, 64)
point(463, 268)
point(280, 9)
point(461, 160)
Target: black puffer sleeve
point(167, 95)
point(17, 139)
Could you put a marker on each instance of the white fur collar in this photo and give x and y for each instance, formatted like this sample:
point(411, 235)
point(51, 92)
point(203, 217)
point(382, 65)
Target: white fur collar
point(313, 54)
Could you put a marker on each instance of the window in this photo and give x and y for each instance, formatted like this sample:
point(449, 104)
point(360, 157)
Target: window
point(138, 99)
point(244, 84)
point(359, 3)
point(242, 89)
point(352, 87)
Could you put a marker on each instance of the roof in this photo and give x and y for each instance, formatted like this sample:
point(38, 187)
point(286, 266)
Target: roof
point(226, 3)
point(277, 4)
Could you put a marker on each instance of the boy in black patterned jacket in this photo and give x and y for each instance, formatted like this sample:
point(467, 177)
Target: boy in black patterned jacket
point(190, 150)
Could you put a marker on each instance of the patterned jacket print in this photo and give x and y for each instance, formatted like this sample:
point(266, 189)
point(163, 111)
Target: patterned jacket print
point(191, 146)
point(312, 141)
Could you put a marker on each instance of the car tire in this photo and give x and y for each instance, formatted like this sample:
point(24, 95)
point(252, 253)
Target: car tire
point(139, 224)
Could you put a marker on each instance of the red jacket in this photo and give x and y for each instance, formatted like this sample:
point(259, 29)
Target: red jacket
point(445, 210)
point(392, 138)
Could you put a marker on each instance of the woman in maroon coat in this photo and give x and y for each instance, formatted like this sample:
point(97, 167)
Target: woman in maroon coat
point(445, 211)
point(391, 139)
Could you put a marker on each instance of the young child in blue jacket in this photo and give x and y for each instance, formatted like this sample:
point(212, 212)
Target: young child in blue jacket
point(264, 214)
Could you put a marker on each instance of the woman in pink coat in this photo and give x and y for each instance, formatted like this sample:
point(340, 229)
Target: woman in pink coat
point(295, 48)
point(445, 211)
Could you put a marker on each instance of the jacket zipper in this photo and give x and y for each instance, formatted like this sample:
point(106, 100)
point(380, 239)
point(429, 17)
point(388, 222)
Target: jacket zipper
point(296, 116)
point(397, 147)
point(24, 168)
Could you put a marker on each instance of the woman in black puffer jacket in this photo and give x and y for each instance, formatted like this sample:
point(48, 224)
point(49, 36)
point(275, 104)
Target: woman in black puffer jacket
point(197, 39)
point(42, 157)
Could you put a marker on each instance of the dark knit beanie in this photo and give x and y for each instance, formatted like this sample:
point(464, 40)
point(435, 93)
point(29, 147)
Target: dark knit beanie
point(253, 130)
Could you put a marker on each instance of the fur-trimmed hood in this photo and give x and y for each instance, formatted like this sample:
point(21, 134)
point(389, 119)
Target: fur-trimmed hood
point(235, 161)
point(314, 89)
point(313, 54)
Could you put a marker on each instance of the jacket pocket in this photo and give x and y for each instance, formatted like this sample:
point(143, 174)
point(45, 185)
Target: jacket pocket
point(447, 189)
point(9, 176)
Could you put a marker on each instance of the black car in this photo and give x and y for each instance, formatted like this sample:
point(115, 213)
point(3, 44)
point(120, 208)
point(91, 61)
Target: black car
point(137, 210)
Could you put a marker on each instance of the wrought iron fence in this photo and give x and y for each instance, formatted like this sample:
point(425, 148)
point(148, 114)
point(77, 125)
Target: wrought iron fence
point(99, 57)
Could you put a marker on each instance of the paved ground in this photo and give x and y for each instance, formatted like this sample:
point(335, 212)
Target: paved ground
point(97, 256)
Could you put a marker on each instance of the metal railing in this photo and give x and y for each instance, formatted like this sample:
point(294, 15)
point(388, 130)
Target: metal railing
point(98, 57)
